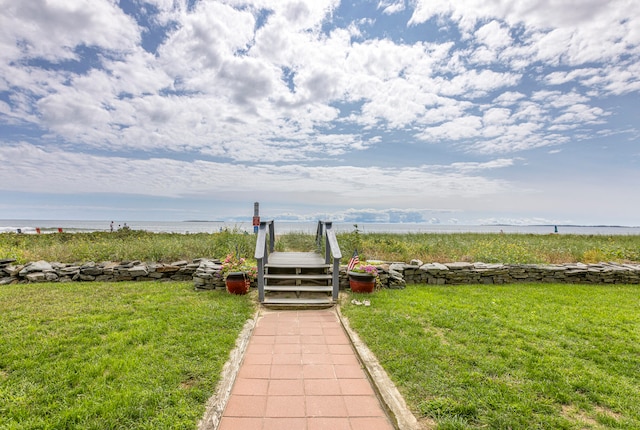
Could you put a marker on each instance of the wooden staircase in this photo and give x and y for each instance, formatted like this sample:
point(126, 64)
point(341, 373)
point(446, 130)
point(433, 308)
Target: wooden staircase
point(297, 279)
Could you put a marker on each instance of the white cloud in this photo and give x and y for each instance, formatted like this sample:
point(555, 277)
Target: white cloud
point(562, 77)
point(474, 84)
point(508, 98)
point(577, 114)
point(474, 166)
point(207, 36)
point(456, 129)
point(389, 7)
point(217, 87)
point(53, 29)
point(67, 172)
point(557, 32)
point(494, 35)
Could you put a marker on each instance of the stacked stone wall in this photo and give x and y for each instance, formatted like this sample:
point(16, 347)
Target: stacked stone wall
point(43, 271)
point(206, 273)
point(481, 273)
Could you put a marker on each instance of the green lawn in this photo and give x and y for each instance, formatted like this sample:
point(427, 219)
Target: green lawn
point(141, 355)
point(510, 357)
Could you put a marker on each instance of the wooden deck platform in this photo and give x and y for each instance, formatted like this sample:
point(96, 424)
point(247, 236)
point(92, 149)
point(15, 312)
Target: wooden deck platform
point(292, 259)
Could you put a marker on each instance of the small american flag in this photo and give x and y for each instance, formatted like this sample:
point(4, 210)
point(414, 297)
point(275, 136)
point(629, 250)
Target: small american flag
point(354, 260)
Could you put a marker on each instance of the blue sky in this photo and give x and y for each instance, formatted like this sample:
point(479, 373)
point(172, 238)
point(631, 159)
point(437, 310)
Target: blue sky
point(465, 112)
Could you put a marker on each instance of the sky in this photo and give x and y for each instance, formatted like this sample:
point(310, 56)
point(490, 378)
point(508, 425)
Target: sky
point(432, 111)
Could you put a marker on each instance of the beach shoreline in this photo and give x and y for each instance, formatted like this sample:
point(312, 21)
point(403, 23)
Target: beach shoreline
point(186, 227)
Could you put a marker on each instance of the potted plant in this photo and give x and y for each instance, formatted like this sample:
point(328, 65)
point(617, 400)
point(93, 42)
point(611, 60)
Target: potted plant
point(238, 273)
point(363, 277)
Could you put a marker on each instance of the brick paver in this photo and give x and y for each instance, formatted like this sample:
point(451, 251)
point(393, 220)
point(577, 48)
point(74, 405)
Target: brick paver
point(300, 372)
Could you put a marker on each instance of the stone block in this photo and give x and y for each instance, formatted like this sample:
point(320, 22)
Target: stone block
point(138, 271)
point(180, 263)
point(12, 270)
point(434, 267)
point(68, 270)
point(92, 271)
point(35, 277)
point(460, 265)
point(37, 266)
point(165, 268)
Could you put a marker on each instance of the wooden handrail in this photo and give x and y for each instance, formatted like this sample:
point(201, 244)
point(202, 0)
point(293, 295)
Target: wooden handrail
point(263, 249)
point(265, 230)
point(332, 249)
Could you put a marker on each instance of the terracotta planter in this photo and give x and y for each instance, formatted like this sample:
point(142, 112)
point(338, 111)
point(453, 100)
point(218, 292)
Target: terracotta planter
point(237, 283)
point(361, 282)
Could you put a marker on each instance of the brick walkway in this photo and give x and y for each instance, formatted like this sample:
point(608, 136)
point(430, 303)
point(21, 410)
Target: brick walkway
point(300, 372)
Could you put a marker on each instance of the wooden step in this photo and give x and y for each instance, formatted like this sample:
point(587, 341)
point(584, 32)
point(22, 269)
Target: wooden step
point(304, 258)
point(294, 265)
point(296, 276)
point(307, 288)
point(299, 301)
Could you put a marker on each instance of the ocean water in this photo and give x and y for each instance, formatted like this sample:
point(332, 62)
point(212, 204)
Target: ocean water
point(186, 227)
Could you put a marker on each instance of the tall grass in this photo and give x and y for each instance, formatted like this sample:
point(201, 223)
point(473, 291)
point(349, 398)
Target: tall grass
point(491, 247)
point(428, 247)
point(296, 242)
point(124, 245)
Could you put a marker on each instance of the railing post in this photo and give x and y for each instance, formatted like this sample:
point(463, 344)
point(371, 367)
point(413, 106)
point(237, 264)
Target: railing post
point(327, 247)
point(261, 280)
point(319, 236)
point(272, 237)
point(336, 278)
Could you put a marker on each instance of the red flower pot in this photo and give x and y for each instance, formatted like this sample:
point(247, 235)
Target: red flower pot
point(237, 283)
point(361, 283)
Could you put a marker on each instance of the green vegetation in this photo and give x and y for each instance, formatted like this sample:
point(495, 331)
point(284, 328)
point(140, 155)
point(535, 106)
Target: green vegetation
point(519, 356)
point(140, 355)
point(428, 247)
point(124, 245)
point(296, 242)
point(492, 247)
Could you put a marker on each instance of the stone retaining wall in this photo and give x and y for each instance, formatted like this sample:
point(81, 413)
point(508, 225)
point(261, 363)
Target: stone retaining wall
point(42, 271)
point(206, 273)
point(481, 273)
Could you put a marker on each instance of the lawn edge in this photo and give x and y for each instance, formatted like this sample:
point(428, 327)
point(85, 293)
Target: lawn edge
point(386, 390)
point(218, 401)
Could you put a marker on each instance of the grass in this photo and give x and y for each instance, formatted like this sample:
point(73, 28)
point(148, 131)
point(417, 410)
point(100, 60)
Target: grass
point(510, 357)
point(143, 355)
point(296, 242)
point(428, 247)
point(492, 247)
point(124, 245)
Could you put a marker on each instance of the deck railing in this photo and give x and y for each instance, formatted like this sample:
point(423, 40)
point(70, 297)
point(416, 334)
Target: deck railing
point(331, 249)
point(265, 244)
